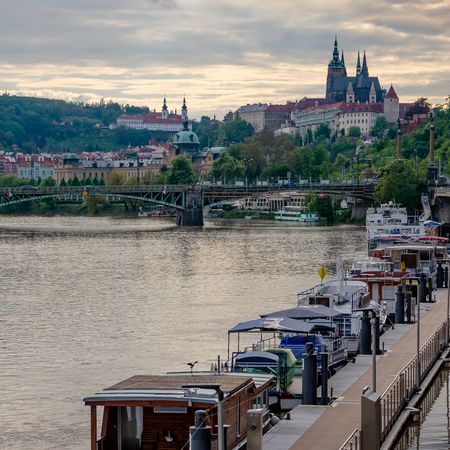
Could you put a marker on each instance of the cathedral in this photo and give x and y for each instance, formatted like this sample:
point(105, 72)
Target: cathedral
point(361, 88)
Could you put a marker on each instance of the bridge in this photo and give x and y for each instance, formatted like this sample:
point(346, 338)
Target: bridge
point(188, 200)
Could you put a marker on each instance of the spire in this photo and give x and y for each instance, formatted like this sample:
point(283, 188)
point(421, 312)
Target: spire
point(335, 50)
point(358, 66)
point(342, 58)
point(184, 114)
point(365, 70)
point(165, 111)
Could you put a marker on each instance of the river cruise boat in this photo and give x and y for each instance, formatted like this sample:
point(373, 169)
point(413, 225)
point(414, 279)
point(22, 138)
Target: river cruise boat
point(391, 220)
point(296, 214)
point(151, 412)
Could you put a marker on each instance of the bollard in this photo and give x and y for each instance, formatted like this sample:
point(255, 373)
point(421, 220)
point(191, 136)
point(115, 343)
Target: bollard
point(430, 289)
point(325, 376)
point(199, 434)
point(439, 276)
point(408, 307)
point(400, 306)
point(377, 335)
point(422, 288)
point(365, 341)
point(446, 277)
point(254, 429)
point(309, 375)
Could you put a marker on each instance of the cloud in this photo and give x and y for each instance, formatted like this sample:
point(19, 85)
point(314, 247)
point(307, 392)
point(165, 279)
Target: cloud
point(221, 54)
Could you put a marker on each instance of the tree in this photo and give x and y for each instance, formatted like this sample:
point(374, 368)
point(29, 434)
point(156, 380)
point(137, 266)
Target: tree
point(63, 182)
point(181, 171)
point(276, 170)
point(399, 182)
point(379, 127)
point(235, 131)
point(323, 207)
point(227, 168)
point(49, 181)
point(323, 132)
point(420, 106)
point(354, 132)
point(115, 178)
point(311, 162)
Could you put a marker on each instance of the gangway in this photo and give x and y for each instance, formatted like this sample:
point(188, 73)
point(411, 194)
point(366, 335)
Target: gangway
point(426, 208)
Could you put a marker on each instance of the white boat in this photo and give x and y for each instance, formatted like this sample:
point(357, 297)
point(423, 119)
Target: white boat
point(296, 214)
point(391, 220)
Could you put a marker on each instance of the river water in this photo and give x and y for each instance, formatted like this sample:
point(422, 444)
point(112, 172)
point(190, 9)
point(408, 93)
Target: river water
point(88, 302)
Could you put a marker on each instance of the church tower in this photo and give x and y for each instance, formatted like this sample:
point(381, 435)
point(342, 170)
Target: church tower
point(164, 111)
point(336, 70)
point(350, 93)
point(184, 113)
point(391, 106)
point(372, 93)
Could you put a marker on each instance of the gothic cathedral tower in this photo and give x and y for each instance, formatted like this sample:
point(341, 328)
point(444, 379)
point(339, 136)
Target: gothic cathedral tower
point(336, 71)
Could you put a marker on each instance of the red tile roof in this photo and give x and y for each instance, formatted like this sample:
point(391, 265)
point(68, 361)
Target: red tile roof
point(361, 107)
point(391, 93)
point(288, 107)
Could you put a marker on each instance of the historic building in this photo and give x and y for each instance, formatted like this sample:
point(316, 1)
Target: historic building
point(154, 121)
point(351, 89)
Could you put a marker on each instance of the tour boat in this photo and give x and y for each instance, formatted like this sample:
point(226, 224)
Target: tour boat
point(296, 214)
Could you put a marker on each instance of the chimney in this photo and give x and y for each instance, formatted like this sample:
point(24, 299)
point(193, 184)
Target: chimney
point(399, 144)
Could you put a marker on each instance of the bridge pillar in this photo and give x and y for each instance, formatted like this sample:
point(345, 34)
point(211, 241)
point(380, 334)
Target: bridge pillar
point(192, 215)
point(359, 209)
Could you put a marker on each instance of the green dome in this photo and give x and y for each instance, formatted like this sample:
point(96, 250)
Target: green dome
point(185, 137)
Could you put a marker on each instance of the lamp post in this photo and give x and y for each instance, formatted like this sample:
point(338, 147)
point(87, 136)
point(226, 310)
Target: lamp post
point(418, 346)
point(373, 324)
point(220, 425)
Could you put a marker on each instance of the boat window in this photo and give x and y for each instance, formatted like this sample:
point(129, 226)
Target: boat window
point(130, 425)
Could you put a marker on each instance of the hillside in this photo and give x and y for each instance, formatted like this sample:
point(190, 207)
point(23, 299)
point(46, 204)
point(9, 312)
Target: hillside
point(33, 124)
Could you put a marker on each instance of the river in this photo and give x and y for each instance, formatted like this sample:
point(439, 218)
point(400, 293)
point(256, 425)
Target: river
point(88, 302)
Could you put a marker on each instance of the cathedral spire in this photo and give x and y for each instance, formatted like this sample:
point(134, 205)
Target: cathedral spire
point(342, 58)
point(365, 70)
point(335, 50)
point(358, 66)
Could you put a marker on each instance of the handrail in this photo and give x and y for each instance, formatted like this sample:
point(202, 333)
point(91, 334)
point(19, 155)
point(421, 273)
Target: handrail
point(353, 441)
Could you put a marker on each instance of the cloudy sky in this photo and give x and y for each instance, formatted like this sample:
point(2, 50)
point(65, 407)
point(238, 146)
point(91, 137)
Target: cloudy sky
point(220, 53)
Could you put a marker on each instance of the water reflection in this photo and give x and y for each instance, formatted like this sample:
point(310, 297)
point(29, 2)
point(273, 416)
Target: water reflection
point(433, 431)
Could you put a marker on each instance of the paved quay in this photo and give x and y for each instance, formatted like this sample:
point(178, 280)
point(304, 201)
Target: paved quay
point(327, 427)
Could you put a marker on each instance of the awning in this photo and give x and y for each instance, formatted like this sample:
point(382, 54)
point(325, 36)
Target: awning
point(305, 312)
point(273, 324)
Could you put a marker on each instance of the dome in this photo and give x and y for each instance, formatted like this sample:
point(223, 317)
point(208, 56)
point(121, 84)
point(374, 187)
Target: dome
point(185, 137)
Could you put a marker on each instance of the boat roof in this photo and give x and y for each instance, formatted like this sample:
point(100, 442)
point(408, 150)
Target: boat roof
point(273, 324)
point(169, 387)
point(411, 247)
point(305, 312)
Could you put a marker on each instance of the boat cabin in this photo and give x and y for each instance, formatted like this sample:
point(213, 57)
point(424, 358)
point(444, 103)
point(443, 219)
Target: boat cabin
point(148, 412)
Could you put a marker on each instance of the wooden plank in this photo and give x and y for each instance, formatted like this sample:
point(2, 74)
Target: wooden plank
point(93, 427)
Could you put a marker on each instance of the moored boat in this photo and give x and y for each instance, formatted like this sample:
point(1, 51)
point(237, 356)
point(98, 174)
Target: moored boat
point(296, 214)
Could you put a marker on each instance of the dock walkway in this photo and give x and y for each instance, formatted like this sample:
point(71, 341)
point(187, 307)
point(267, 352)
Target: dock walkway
point(328, 427)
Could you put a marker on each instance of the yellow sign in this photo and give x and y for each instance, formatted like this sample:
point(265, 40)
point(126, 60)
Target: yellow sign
point(322, 272)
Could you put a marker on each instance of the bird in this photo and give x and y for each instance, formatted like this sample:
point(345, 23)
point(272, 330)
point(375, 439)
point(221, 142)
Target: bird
point(191, 365)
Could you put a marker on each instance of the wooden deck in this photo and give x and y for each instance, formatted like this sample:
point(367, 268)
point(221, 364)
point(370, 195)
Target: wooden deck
point(328, 427)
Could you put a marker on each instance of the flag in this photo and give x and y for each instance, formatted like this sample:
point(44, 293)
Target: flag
point(403, 266)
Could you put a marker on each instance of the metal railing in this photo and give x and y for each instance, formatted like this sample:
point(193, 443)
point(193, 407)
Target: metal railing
point(397, 395)
point(353, 442)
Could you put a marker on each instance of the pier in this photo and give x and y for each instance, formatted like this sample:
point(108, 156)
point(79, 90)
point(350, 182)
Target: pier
point(338, 426)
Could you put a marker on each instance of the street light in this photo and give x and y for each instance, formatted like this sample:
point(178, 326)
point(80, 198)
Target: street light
point(220, 425)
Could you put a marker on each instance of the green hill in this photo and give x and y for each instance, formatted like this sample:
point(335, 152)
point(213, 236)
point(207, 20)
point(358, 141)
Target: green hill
point(32, 124)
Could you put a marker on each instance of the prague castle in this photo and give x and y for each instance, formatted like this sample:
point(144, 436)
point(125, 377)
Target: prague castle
point(351, 89)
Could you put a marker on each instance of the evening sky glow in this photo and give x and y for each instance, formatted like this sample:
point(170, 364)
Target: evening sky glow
point(221, 54)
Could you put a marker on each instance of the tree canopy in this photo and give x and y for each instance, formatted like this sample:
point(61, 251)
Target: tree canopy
point(181, 172)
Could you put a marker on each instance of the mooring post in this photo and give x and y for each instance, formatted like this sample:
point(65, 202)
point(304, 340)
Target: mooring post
point(199, 433)
point(365, 335)
point(309, 375)
point(325, 375)
point(400, 306)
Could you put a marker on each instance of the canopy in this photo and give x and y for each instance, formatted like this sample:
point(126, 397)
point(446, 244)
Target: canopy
point(431, 223)
point(305, 312)
point(273, 324)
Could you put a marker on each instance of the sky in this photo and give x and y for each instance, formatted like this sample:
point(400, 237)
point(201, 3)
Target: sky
point(221, 54)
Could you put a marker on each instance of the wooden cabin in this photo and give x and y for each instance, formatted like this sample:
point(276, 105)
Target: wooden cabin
point(147, 412)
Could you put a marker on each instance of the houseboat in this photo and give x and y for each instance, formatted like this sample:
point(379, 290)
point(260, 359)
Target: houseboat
point(151, 412)
point(296, 214)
